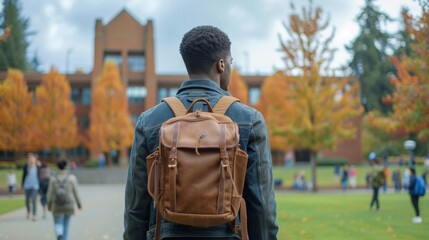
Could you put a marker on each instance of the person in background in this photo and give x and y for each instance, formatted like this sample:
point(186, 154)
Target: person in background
point(30, 184)
point(11, 181)
point(377, 180)
point(62, 210)
point(44, 176)
point(406, 179)
point(345, 177)
point(414, 197)
point(387, 176)
point(353, 176)
point(337, 172)
point(396, 178)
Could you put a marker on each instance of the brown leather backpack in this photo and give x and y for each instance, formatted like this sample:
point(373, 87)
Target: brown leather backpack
point(196, 176)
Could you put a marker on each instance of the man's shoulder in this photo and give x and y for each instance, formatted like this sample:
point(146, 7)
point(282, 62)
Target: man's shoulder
point(156, 115)
point(239, 111)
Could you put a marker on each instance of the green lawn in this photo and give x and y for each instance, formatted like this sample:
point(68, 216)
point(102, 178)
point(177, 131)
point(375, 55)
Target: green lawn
point(346, 216)
point(10, 204)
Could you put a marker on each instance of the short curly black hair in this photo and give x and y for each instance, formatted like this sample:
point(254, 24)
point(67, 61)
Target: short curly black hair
point(202, 46)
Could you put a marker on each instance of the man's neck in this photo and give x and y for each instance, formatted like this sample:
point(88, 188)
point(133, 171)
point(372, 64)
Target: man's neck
point(204, 76)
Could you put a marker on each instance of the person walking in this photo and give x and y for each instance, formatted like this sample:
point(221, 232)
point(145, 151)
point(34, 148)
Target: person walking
point(386, 178)
point(61, 199)
point(345, 178)
point(396, 178)
point(377, 180)
point(415, 193)
point(11, 181)
point(353, 176)
point(30, 184)
point(207, 56)
point(406, 179)
point(44, 176)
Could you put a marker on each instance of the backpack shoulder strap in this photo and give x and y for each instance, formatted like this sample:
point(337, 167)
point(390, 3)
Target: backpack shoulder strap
point(224, 103)
point(176, 105)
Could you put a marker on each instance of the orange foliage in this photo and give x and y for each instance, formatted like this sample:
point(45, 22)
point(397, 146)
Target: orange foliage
point(111, 127)
point(238, 88)
point(306, 110)
point(16, 114)
point(274, 108)
point(411, 96)
point(57, 123)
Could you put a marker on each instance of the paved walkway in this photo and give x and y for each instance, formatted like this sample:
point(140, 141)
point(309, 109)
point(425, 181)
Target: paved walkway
point(101, 218)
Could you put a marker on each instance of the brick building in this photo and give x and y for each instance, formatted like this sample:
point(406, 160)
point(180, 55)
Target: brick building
point(131, 45)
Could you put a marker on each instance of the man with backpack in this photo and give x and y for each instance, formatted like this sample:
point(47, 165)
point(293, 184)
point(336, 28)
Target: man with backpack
point(62, 197)
point(176, 189)
point(416, 189)
point(377, 180)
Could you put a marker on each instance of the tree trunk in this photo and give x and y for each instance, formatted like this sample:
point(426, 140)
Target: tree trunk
point(313, 170)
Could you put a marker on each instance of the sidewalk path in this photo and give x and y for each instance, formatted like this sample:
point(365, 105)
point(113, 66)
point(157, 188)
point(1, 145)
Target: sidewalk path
point(101, 218)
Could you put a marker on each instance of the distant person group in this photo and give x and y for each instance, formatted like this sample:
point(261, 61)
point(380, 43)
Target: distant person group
point(414, 184)
point(58, 192)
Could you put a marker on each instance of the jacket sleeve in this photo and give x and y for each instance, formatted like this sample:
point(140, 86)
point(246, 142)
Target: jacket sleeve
point(50, 194)
point(75, 191)
point(24, 175)
point(137, 199)
point(259, 187)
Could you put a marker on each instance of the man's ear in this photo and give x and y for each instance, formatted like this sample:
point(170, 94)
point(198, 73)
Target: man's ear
point(220, 65)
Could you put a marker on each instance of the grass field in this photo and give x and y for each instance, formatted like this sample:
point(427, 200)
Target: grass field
point(10, 204)
point(346, 216)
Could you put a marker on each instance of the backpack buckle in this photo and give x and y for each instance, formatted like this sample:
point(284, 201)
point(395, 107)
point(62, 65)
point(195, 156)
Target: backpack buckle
point(172, 163)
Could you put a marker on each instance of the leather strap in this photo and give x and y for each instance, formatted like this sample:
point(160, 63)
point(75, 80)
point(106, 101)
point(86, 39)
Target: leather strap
point(224, 103)
point(172, 167)
point(176, 106)
point(179, 109)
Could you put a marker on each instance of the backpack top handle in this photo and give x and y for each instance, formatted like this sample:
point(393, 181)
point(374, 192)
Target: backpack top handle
point(199, 100)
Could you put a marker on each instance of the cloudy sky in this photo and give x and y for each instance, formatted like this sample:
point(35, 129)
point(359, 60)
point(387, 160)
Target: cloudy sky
point(252, 25)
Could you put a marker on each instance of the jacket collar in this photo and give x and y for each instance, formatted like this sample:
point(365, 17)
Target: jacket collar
point(201, 84)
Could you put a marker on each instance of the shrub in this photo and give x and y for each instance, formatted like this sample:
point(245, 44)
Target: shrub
point(331, 161)
point(92, 163)
point(7, 165)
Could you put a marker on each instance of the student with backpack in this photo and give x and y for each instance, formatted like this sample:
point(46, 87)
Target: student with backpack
point(377, 180)
point(416, 189)
point(62, 196)
point(197, 175)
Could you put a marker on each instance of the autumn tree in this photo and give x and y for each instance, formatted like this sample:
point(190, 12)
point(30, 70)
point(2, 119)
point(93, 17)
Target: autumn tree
point(370, 63)
point(17, 114)
point(275, 108)
point(411, 96)
point(111, 127)
point(313, 111)
point(57, 123)
point(14, 43)
point(238, 88)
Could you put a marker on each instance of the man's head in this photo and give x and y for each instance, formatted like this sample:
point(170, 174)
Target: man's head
point(61, 164)
point(206, 50)
point(32, 158)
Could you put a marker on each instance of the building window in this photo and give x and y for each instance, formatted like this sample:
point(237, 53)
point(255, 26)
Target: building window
point(166, 92)
point(75, 95)
point(136, 94)
point(136, 63)
point(115, 57)
point(86, 96)
point(254, 95)
point(84, 122)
